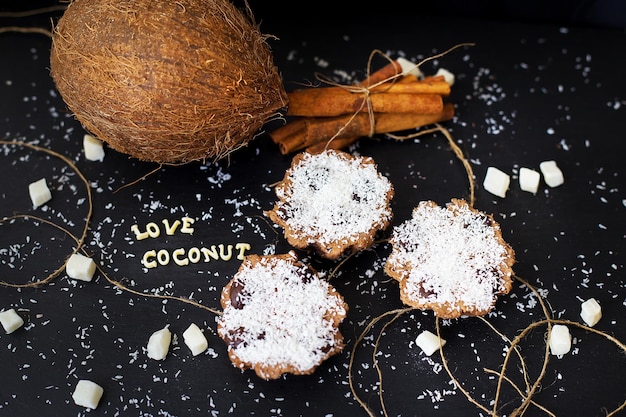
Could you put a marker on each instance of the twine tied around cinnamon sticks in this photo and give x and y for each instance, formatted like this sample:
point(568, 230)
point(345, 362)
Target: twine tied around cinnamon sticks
point(391, 99)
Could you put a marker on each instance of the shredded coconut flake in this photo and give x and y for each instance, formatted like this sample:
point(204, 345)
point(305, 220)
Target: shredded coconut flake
point(287, 314)
point(450, 256)
point(331, 196)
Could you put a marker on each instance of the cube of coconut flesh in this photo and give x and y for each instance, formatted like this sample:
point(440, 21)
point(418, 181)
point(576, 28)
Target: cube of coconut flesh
point(195, 339)
point(39, 192)
point(87, 394)
point(496, 182)
point(80, 267)
point(93, 147)
point(560, 340)
point(591, 312)
point(429, 342)
point(529, 180)
point(10, 320)
point(552, 174)
point(159, 344)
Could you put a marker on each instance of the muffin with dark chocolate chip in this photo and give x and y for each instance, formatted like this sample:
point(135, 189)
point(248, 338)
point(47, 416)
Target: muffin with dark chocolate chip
point(332, 202)
point(280, 317)
point(452, 260)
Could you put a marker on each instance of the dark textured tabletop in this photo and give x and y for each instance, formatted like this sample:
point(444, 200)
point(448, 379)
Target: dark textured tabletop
point(524, 93)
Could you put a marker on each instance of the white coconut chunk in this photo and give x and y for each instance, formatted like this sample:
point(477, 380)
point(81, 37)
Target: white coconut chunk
point(11, 321)
point(409, 67)
point(591, 312)
point(159, 344)
point(560, 340)
point(80, 267)
point(496, 182)
point(529, 180)
point(39, 192)
point(93, 147)
point(552, 174)
point(447, 75)
point(429, 342)
point(195, 340)
point(87, 394)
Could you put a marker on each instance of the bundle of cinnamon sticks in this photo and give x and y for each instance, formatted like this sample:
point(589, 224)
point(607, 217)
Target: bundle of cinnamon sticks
point(387, 101)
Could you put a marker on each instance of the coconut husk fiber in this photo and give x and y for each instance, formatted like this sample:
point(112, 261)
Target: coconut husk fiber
point(163, 81)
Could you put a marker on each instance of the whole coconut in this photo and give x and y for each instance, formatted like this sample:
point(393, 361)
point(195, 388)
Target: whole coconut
point(166, 81)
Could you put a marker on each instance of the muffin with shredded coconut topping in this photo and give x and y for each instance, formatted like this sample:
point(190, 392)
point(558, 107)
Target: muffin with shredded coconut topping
point(280, 317)
point(332, 202)
point(452, 260)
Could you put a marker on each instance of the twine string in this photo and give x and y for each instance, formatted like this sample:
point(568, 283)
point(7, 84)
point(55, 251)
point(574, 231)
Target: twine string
point(367, 91)
point(27, 13)
point(80, 240)
point(526, 395)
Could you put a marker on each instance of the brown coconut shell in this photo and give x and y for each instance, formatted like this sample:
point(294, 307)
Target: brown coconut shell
point(164, 81)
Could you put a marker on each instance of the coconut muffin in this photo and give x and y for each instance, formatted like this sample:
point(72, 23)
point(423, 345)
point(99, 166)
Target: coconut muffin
point(332, 203)
point(452, 260)
point(280, 317)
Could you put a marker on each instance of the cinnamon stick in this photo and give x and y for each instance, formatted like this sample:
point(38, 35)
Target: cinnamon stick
point(395, 122)
point(282, 133)
point(337, 143)
point(405, 84)
point(335, 101)
point(387, 72)
point(410, 84)
point(335, 117)
point(306, 132)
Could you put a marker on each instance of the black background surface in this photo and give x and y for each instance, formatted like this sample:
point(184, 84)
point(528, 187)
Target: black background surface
point(526, 92)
